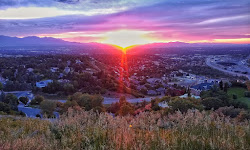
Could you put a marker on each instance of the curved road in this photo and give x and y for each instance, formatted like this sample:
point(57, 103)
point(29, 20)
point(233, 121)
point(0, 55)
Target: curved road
point(108, 100)
point(208, 62)
point(32, 112)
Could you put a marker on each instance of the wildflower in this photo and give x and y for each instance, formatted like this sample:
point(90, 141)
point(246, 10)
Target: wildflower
point(130, 126)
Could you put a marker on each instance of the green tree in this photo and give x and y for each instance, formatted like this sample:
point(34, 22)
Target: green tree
point(87, 101)
point(37, 100)
point(1, 86)
point(184, 104)
point(12, 100)
point(2, 96)
point(189, 92)
point(154, 105)
point(221, 85)
point(212, 102)
point(226, 86)
point(48, 107)
point(126, 110)
point(5, 107)
point(24, 100)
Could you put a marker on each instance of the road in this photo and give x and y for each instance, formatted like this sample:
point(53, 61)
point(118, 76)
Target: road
point(208, 62)
point(108, 100)
point(32, 112)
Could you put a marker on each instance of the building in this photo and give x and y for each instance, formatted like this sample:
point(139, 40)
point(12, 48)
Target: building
point(186, 96)
point(54, 69)
point(67, 70)
point(201, 87)
point(152, 92)
point(163, 104)
point(43, 84)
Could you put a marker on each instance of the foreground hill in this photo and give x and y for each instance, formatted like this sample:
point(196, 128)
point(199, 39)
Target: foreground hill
point(193, 130)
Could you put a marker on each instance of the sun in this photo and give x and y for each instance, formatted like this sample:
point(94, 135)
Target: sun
point(126, 38)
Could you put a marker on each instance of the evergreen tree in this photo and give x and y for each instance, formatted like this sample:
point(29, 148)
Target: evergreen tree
point(221, 85)
point(226, 86)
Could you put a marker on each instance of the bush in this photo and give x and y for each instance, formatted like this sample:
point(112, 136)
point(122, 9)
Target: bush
point(37, 100)
point(24, 100)
point(183, 105)
point(235, 96)
point(87, 101)
point(212, 103)
point(247, 94)
point(48, 107)
point(229, 111)
point(126, 110)
point(12, 100)
point(5, 107)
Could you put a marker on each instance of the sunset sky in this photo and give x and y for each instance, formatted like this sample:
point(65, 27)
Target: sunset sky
point(128, 22)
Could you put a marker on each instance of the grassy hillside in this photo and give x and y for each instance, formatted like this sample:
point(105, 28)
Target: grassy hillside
point(239, 91)
point(148, 130)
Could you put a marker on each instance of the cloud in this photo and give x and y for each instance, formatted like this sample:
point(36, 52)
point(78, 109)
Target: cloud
point(184, 20)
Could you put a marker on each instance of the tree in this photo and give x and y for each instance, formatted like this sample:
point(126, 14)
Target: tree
point(87, 101)
point(126, 110)
point(114, 108)
point(37, 100)
point(154, 105)
point(122, 100)
point(12, 100)
point(212, 102)
point(189, 92)
point(5, 107)
point(1, 86)
point(24, 100)
point(226, 86)
point(221, 85)
point(48, 107)
point(248, 85)
point(2, 96)
point(234, 96)
point(184, 104)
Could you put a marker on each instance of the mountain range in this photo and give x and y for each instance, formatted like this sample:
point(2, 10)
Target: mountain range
point(33, 41)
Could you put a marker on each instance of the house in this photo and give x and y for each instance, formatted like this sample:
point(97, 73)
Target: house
point(44, 83)
point(160, 90)
point(54, 69)
point(186, 96)
point(67, 70)
point(79, 61)
point(202, 86)
point(163, 104)
point(30, 69)
point(63, 81)
point(152, 92)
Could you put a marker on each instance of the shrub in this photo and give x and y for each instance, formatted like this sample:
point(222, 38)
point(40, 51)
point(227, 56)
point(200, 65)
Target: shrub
point(212, 103)
point(48, 107)
point(247, 94)
point(24, 100)
point(229, 111)
point(37, 100)
point(5, 107)
point(12, 100)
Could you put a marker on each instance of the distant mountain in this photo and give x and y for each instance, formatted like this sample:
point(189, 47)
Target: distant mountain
point(33, 41)
point(46, 44)
point(6, 41)
point(180, 47)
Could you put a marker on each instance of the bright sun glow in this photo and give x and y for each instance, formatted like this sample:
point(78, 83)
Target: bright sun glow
point(126, 38)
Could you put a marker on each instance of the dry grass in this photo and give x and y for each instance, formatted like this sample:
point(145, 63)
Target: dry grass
point(148, 130)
